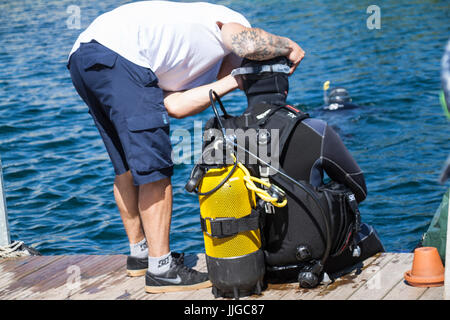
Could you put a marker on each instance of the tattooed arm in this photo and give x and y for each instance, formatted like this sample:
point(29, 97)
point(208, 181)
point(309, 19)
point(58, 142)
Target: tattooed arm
point(257, 44)
point(251, 43)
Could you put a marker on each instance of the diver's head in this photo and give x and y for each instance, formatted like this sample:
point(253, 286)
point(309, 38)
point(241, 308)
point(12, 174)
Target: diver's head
point(264, 81)
point(339, 95)
point(337, 99)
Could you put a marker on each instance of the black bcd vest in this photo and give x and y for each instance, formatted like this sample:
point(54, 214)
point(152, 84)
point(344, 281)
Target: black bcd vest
point(294, 236)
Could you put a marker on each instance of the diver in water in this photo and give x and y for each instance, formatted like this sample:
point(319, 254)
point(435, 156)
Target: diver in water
point(337, 99)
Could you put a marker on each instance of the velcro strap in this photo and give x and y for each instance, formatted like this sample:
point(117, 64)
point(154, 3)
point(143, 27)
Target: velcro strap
point(227, 227)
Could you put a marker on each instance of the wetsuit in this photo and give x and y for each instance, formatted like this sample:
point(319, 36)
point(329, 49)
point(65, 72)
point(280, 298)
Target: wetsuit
point(315, 147)
point(311, 149)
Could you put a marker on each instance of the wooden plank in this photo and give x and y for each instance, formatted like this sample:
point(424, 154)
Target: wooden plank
point(142, 295)
point(59, 280)
point(126, 289)
point(201, 294)
point(14, 270)
point(115, 284)
point(286, 291)
point(404, 291)
point(382, 281)
point(197, 262)
point(18, 259)
point(18, 266)
point(43, 279)
point(278, 291)
point(97, 276)
point(330, 290)
point(104, 279)
point(435, 293)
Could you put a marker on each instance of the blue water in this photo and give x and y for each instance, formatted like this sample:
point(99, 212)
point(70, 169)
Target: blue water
point(57, 175)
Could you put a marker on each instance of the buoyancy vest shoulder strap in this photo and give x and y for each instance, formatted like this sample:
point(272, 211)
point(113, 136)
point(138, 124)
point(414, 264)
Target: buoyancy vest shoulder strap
point(265, 116)
point(286, 120)
point(281, 117)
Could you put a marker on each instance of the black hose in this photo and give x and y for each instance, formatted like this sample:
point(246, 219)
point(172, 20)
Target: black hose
point(225, 113)
point(220, 184)
point(213, 105)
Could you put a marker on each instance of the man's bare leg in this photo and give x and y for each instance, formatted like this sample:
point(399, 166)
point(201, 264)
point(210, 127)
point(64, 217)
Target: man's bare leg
point(126, 195)
point(155, 207)
point(164, 274)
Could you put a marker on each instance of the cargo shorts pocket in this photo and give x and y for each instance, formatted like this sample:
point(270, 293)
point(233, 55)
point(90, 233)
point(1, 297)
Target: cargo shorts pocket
point(149, 147)
point(97, 57)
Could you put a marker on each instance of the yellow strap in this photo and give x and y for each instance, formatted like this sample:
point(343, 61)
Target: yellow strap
point(263, 194)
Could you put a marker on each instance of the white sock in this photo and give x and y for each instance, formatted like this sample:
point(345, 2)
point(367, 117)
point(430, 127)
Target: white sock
point(159, 265)
point(139, 250)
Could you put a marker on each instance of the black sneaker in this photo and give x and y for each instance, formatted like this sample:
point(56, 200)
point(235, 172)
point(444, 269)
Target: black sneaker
point(177, 278)
point(137, 267)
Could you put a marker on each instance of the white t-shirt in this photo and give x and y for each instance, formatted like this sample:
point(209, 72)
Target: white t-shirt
point(180, 42)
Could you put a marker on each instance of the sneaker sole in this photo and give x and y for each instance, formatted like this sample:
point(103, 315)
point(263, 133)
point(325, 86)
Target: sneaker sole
point(136, 273)
point(174, 288)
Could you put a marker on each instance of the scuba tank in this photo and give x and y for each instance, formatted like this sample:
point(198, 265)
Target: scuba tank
point(234, 259)
point(230, 221)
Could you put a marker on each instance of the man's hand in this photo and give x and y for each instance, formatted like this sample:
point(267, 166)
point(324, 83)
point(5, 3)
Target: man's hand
point(257, 44)
point(295, 56)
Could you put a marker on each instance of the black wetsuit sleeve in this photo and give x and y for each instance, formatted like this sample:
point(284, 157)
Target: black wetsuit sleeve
point(340, 166)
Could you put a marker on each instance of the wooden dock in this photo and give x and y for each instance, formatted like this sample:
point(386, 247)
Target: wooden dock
point(104, 277)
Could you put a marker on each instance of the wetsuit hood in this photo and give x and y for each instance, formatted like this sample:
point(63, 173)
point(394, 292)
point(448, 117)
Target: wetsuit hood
point(265, 81)
point(339, 98)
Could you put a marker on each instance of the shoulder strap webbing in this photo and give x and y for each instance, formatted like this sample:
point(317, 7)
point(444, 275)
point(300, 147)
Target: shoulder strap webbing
point(286, 120)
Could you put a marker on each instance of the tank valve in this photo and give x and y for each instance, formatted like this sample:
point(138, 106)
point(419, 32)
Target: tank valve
point(197, 175)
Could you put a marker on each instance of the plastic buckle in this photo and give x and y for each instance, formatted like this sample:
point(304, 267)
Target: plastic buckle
point(217, 228)
point(205, 225)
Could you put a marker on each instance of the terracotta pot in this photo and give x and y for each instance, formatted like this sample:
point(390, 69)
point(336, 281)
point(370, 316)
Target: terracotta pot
point(427, 269)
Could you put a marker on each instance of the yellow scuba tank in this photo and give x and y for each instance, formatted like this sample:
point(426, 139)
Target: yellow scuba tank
point(230, 224)
point(232, 200)
point(230, 220)
point(231, 233)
